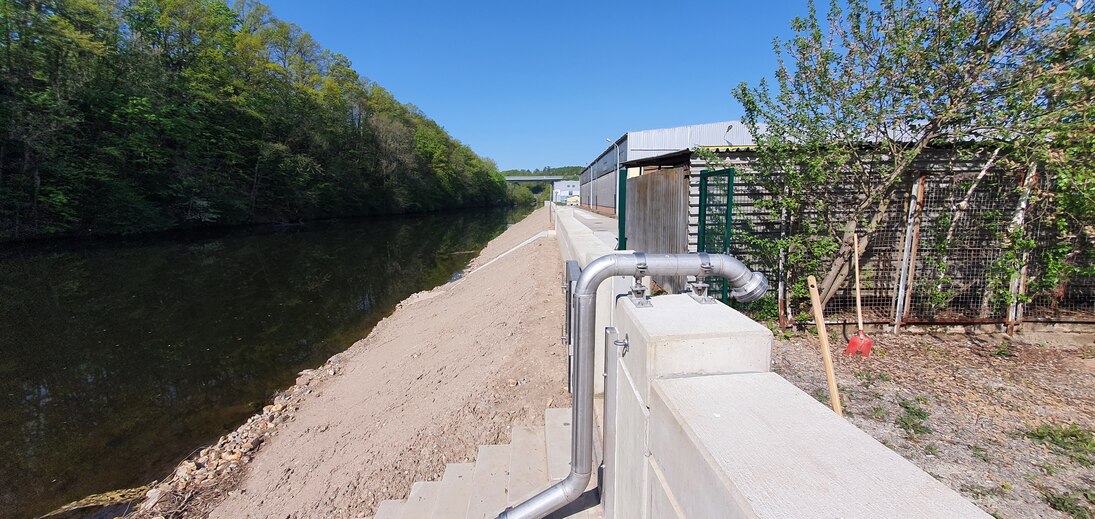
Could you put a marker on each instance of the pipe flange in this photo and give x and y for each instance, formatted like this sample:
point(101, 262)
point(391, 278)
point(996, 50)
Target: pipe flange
point(752, 290)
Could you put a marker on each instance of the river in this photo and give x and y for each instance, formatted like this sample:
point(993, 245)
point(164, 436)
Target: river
point(120, 357)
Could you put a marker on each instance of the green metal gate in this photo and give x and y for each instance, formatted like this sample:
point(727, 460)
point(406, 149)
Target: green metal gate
point(716, 221)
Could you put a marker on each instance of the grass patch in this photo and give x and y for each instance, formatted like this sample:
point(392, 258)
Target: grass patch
point(1003, 351)
point(931, 450)
point(1068, 503)
point(869, 378)
point(878, 413)
point(1071, 441)
point(980, 453)
point(1048, 468)
point(913, 417)
point(979, 492)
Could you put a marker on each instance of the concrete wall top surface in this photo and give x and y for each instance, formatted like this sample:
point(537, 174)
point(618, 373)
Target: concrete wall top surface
point(714, 319)
point(782, 454)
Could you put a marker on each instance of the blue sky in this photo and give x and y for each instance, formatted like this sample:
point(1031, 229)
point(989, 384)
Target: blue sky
point(534, 84)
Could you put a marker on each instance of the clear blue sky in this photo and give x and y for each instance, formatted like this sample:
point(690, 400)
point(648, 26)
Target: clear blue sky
point(534, 84)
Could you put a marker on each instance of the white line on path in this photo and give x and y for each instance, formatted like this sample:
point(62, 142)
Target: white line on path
point(542, 234)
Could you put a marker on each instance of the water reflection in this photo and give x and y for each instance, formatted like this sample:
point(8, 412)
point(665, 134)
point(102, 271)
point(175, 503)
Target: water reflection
point(119, 358)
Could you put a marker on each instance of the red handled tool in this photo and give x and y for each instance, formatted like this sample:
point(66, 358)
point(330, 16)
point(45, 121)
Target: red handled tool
point(860, 344)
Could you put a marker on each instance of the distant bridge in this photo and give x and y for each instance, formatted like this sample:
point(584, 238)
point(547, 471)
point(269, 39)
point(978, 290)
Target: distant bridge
point(534, 178)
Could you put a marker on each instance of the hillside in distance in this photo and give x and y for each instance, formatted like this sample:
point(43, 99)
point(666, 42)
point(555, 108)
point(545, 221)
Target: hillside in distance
point(125, 116)
point(566, 171)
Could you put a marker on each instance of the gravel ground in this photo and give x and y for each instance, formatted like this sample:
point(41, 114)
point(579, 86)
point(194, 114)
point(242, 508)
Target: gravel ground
point(962, 407)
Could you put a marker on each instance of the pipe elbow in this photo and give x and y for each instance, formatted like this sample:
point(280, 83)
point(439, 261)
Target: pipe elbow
point(574, 485)
point(597, 271)
point(555, 497)
point(748, 285)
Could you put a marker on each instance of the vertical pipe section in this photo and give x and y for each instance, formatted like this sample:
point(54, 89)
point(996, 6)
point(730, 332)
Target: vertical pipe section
point(748, 286)
point(613, 349)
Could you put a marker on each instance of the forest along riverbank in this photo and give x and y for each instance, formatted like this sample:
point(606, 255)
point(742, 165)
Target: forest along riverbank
point(121, 357)
point(450, 369)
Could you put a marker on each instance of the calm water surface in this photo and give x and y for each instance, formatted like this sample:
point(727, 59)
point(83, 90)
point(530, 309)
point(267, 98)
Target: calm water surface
point(119, 358)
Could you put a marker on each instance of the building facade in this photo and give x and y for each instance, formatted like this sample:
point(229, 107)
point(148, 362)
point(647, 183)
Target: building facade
point(563, 190)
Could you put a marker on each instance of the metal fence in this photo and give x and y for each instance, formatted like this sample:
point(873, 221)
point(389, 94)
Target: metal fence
point(937, 254)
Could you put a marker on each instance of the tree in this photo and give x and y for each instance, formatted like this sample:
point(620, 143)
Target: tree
point(121, 116)
point(861, 103)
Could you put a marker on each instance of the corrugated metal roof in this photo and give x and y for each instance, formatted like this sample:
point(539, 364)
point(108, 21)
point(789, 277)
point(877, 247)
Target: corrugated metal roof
point(651, 143)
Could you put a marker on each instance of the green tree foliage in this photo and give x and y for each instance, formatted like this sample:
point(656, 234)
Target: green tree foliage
point(139, 115)
point(522, 196)
point(862, 102)
point(567, 172)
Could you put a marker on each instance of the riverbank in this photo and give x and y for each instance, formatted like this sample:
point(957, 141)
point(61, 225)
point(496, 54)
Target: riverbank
point(450, 369)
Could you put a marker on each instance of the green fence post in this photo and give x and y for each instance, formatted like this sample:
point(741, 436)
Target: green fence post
point(701, 246)
point(729, 208)
point(728, 228)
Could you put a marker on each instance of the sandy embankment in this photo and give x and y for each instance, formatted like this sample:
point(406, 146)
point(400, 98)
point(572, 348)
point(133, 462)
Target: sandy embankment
point(450, 369)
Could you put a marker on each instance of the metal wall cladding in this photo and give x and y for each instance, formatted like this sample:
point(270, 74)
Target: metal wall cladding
point(602, 193)
point(651, 143)
point(605, 164)
point(657, 217)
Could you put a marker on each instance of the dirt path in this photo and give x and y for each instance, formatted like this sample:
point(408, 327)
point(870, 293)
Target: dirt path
point(963, 408)
point(450, 369)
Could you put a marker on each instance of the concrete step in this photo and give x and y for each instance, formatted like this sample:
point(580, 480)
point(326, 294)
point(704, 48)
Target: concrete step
point(421, 499)
point(488, 488)
point(527, 464)
point(557, 432)
point(502, 475)
point(390, 509)
point(454, 493)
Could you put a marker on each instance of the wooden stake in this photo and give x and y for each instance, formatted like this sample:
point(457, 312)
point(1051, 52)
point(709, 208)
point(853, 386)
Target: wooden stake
point(823, 334)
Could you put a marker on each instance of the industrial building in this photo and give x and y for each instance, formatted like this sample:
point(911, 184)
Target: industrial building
point(564, 189)
point(600, 188)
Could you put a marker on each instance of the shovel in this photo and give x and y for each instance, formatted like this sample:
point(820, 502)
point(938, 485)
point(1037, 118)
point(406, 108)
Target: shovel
point(860, 344)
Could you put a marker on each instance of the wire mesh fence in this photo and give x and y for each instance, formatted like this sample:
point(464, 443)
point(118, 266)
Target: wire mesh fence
point(942, 249)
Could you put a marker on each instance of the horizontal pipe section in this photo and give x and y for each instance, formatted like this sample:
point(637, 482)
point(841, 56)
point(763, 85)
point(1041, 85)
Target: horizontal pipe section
point(747, 286)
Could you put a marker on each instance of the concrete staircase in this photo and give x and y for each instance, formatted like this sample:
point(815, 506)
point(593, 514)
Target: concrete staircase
point(502, 475)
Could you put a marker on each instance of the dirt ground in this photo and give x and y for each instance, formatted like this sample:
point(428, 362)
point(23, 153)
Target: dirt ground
point(449, 370)
point(963, 407)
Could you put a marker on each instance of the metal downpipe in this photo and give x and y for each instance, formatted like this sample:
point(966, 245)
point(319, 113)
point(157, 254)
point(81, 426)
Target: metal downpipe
point(748, 286)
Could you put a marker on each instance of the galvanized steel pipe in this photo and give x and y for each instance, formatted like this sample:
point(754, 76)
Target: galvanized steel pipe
point(747, 286)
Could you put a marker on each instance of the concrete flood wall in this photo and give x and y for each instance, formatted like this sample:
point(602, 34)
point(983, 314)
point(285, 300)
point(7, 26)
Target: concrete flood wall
point(577, 242)
point(675, 337)
point(703, 429)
